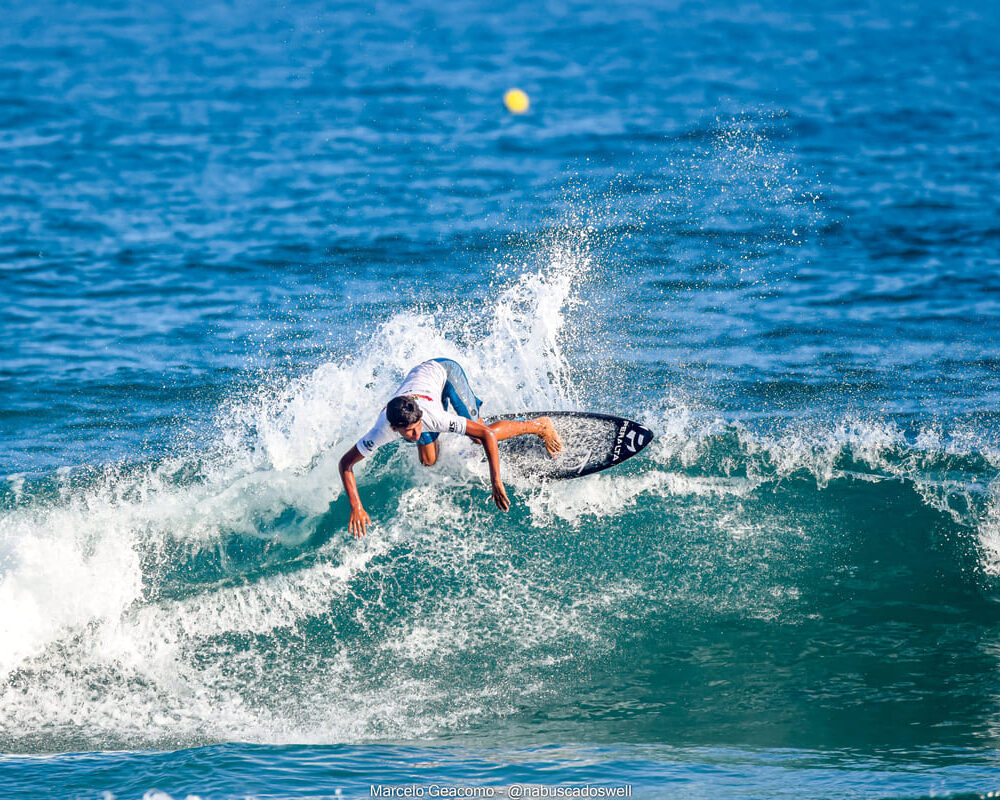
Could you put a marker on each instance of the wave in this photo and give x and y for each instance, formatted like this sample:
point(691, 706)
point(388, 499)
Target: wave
point(215, 595)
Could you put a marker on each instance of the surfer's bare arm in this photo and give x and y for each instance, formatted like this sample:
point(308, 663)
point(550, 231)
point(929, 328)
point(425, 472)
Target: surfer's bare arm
point(488, 439)
point(359, 517)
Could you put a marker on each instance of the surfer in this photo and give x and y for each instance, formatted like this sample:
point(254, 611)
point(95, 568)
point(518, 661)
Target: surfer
point(418, 412)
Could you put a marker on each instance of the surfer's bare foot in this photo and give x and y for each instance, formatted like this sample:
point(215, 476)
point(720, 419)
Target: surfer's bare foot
point(549, 436)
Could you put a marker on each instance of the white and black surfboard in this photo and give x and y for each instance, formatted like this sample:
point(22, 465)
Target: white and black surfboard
point(591, 443)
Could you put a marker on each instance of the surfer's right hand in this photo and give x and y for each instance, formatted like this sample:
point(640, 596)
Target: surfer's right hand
point(359, 522)
point(500, 496)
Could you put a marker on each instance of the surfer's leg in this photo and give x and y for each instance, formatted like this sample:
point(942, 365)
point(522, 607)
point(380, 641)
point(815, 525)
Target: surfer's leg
point(427, 448)
point(457, 391)
point(541, 427)
point(428, 453)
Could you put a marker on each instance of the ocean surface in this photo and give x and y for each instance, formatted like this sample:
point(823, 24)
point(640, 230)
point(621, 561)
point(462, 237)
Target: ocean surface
point(769, 231)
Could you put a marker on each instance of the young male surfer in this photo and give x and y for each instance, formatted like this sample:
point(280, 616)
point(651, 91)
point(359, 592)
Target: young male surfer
point(418, 412)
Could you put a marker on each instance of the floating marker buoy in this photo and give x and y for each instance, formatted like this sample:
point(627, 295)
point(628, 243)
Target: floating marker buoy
point(516, 101)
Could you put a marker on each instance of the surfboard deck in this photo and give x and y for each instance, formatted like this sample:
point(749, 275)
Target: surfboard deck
point(591, 443)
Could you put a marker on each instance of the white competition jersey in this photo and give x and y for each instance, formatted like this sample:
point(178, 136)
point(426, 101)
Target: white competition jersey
point(425, 383)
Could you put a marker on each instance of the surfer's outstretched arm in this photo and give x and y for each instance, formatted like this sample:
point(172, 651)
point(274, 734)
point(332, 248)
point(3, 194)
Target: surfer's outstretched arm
point(488, 439)
point(359, 517)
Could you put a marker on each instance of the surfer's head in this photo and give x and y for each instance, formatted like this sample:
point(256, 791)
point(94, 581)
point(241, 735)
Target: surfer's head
point(404, 416)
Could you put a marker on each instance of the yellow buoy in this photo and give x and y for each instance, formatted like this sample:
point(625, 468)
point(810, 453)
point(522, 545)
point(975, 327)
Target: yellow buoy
point(516, 101)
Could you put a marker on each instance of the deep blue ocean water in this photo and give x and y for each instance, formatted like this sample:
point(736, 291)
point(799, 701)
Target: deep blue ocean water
point(768, 231)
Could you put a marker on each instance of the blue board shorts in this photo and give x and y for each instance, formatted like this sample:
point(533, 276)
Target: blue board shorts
point(457, 394)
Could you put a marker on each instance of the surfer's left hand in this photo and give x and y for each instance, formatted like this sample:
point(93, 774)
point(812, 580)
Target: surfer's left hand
point(500, 496)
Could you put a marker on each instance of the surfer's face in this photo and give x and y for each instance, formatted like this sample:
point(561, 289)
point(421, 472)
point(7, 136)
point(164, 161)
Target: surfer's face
point(411, 432)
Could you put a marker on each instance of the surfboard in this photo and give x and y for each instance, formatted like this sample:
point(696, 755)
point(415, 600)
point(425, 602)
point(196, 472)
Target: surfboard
point(591, 443)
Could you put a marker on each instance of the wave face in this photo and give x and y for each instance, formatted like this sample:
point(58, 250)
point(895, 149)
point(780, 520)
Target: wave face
point(830, 583)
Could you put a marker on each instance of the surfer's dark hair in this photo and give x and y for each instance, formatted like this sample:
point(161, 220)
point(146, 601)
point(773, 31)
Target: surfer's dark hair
point(403, 412)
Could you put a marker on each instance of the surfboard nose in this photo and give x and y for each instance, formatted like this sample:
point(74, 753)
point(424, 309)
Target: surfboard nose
point(591, 442)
